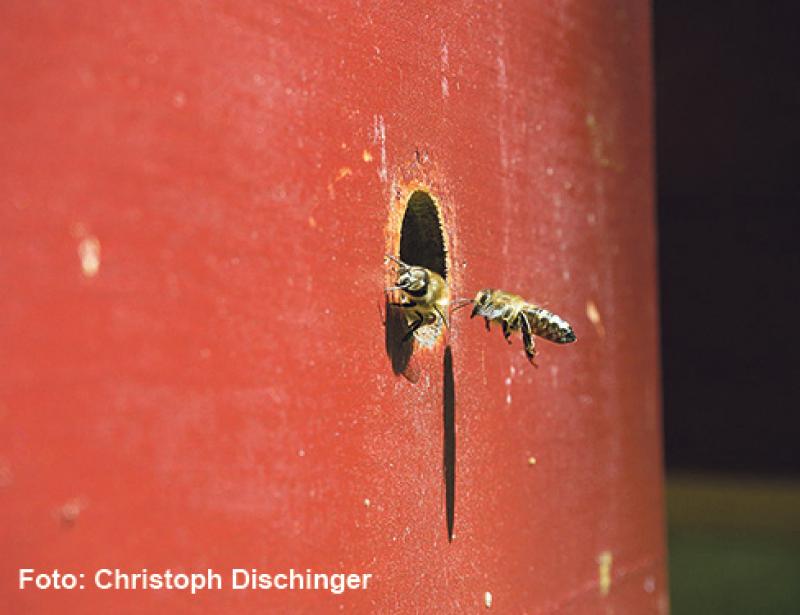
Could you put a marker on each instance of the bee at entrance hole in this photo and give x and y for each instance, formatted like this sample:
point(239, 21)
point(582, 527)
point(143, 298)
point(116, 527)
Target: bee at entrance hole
point(514, 313)
point(423, 295)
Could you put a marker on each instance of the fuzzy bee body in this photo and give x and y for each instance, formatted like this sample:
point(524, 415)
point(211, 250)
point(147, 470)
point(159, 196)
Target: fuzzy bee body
point(550, 326)
point(513, 313)
point(424, 296)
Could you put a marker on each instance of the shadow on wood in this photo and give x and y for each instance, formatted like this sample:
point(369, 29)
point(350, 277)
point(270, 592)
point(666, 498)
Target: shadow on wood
point(399, 351)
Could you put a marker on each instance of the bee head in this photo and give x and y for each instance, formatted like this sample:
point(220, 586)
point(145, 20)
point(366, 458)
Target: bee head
point(482, 300)
point(412, 278)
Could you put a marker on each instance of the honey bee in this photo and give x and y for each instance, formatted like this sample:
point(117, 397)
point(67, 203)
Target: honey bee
point(424, 294)
point(515, 314)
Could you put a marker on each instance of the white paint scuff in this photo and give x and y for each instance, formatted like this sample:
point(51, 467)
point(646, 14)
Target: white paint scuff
point(89, 255)
point(445, 64)
point(379, 136)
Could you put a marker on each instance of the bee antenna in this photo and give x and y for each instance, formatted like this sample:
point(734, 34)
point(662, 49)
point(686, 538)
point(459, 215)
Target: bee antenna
point(461, 303)
point(390, 288)
point(395, 259)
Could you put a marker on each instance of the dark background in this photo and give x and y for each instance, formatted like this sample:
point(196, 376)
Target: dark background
point(728, 151)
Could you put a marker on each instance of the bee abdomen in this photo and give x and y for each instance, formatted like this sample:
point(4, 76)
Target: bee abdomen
point(550, 326)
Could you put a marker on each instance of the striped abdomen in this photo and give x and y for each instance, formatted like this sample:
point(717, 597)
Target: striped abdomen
point(549, 326)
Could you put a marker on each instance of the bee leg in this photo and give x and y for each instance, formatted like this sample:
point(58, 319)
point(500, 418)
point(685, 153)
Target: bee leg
point(506, 331)
point(487, 321)
point(439, 312)
point(414, 326)
point(527, 339)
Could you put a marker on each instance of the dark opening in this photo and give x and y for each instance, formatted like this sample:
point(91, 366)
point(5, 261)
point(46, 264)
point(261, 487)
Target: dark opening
point(422, 244)
point(421, 238)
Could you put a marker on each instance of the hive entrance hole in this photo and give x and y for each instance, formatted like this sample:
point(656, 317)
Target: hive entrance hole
point(422, 244)
point(421, 238)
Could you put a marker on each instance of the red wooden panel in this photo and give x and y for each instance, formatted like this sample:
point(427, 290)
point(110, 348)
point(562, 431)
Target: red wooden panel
point(197, 199)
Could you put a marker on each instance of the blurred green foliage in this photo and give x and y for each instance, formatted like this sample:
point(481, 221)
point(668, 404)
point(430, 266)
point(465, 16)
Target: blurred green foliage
point(733, 548)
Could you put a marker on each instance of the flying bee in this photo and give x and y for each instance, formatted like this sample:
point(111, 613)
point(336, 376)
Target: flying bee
point(424, 294)
point(515, 314)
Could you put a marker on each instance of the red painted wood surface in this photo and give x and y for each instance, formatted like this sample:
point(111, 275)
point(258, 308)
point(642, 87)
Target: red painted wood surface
point(197, 198)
